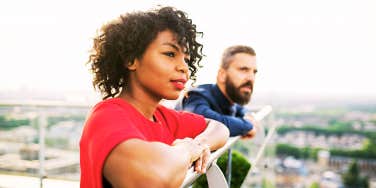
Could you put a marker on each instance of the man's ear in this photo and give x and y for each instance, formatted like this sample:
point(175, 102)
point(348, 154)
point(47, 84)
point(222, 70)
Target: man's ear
point(132, 66)
point(221, 77)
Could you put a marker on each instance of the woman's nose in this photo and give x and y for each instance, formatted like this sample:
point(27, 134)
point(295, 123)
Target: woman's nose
point(182, 66)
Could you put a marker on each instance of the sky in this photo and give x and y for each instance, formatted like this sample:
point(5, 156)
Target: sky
point(321, 47)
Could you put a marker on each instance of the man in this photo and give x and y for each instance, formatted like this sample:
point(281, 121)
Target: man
point(224, 100)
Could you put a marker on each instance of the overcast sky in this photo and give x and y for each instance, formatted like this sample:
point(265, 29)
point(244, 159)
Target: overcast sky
point(313, 47)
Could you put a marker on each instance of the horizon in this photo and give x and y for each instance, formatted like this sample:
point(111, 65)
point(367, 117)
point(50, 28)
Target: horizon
point(90, 98)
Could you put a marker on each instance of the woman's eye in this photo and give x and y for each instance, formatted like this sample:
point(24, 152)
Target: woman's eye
point(169, 54)
point(186, 60)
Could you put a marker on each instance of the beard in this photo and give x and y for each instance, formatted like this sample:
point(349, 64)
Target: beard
point(236, 94)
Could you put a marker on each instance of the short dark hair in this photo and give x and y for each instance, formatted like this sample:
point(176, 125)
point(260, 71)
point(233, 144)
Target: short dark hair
point(233, 50)
point(126, 38)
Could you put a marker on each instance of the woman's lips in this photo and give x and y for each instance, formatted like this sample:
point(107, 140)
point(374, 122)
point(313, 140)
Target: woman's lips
point(179, 84)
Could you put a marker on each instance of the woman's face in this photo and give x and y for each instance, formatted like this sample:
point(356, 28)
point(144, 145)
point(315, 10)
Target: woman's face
point(162, 71)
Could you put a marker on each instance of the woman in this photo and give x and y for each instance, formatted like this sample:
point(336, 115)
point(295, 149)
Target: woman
point(129, 139)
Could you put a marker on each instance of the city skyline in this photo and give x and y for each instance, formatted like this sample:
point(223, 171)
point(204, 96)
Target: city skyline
point(303, 47)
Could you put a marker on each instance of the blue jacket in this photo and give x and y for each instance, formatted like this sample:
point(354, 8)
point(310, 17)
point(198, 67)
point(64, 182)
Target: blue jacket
point(209, 101)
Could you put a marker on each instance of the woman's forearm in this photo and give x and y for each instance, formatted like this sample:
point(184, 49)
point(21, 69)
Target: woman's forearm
point(152, 163)
point(215, 135)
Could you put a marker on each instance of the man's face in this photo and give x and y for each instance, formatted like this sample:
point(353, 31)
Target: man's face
point(240, 78)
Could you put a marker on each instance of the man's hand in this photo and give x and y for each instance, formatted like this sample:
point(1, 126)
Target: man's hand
point(251, 133)
point(200, 153)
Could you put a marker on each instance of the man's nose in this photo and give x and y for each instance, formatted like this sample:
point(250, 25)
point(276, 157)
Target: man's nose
point(251, 77)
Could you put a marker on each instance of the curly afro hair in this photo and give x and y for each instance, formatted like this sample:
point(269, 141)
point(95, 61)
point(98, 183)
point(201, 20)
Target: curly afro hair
point(126, 38)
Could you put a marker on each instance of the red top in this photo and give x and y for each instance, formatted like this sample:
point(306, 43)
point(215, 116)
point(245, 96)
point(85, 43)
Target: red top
point(113, 121)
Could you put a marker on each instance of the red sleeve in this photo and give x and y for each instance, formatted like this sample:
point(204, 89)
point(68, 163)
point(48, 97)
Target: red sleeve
point(106, 127)
point(189, 125)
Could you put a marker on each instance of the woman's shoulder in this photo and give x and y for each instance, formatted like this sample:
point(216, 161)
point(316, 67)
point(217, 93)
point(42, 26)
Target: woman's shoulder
point(111, 103)
point(165, 111)
point(108, 113)
point(112, 106)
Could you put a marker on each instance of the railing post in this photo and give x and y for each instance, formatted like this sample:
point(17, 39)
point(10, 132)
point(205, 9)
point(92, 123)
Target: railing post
point(42, 121)
point(267, 138)
point(215, 177)
point(229, 167)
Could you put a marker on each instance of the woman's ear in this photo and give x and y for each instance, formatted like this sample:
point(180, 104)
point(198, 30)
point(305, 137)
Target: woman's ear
point(132, 65)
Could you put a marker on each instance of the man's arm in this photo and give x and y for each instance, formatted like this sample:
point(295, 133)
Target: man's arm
point(198, 104)
point(253, 131)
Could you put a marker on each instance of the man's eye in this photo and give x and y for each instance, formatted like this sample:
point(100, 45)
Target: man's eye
point(244, 69)
point(169, 54)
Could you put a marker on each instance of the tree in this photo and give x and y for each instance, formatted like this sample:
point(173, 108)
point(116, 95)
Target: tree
point(352, 177)
point(240, 167)
point(314, 185)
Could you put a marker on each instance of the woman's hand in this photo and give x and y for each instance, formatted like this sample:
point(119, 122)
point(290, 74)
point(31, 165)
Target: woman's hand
point(202, 162)
point(199, 153)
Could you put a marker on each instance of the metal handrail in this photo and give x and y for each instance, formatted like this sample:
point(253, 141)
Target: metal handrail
point(191, 175)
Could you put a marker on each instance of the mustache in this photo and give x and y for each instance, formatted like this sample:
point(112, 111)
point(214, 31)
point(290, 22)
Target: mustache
point(247, 84)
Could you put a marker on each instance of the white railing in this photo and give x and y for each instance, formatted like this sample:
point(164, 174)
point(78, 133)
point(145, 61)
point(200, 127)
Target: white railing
point(41, 119)
point(214, 174)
